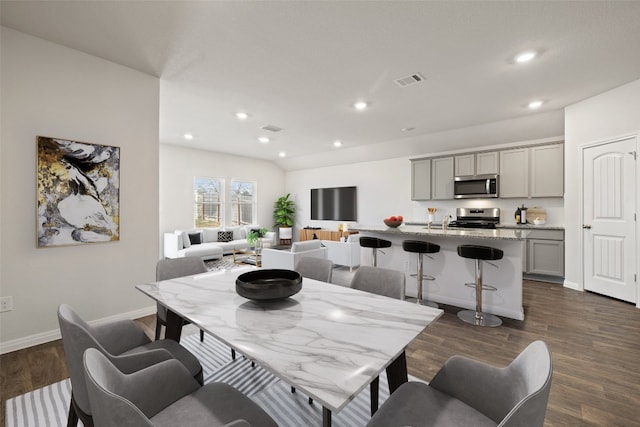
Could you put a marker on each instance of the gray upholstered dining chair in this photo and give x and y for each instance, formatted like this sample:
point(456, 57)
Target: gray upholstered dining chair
point(381, 281)
point(164, 394)
point(466, 392)
point(171, 268)
point(120, 340)
point(315, 268)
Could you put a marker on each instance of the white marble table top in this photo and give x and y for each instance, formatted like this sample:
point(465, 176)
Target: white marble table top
point(421, 230)
point(328, 341)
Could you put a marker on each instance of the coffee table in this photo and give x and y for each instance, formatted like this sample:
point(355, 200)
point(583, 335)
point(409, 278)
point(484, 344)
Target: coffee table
point(247, 256)
point(328, 341)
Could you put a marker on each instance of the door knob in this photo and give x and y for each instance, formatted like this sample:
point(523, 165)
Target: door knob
point(588, 227)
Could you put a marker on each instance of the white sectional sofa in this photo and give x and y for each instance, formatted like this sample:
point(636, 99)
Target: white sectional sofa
point(182, 243)
point(286, 259)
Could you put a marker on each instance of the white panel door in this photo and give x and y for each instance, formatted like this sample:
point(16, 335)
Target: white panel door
point(609, 226)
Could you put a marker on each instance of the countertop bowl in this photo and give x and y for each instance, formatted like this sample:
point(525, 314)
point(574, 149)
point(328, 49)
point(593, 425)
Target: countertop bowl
point(268, 284)
point(539, 222)
point(392, 224)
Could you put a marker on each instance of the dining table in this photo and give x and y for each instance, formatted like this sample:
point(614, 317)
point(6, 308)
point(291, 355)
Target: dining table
point(328, 341)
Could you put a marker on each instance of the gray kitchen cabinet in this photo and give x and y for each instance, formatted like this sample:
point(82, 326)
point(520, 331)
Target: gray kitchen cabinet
point(514, 173)
point(421, 179)
point(485, 163)
point(465, 165)
point(547, 171)
point(545, 253)
point(442, 178)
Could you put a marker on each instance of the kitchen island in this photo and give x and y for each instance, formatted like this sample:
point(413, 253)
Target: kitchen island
point(451, 271)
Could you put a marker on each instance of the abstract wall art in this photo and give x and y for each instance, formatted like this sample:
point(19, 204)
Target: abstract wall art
point(78, 192)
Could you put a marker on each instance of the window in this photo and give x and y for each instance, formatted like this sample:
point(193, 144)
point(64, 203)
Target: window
point(243, 202)
point(208, 198)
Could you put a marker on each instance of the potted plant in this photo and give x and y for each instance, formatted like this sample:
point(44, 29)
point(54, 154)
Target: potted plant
point(284, 211)
point(254, 236)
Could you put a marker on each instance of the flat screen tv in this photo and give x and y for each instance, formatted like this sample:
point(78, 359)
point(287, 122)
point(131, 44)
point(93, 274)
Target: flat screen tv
point(334, 204)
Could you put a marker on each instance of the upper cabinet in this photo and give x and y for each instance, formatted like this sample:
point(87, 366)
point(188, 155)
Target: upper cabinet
point(442, 178)
point(421, 179)
point(487, 163)
point(532, 171)
point(536, 171)
point(547, 171)
point(476, 164)
point(514, 173)
point(465, 165)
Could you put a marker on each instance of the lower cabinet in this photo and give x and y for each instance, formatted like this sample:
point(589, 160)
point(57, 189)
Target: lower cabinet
point(544, 253)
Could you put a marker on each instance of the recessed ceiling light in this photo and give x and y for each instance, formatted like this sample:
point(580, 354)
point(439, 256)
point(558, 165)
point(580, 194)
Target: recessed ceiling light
point(242, 115)
point(188, 136)
point(361, 105)
point(263, 139)
point(337, 143)
point(534, 105)
point(527, 56)
point(409, 129)
point(282, 154)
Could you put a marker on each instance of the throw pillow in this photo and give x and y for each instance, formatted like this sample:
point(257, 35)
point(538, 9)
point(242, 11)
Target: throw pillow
point(225, 236)
point(186, 243)
point(195, 238)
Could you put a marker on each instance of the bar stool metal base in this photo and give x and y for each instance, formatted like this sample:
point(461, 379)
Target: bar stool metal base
point(479, 319)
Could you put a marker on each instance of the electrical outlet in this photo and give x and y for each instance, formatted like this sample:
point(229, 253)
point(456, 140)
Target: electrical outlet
point(406, 265)
point(6, 304)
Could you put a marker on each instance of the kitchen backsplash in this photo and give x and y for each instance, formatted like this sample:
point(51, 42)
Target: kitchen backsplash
point(553, 206)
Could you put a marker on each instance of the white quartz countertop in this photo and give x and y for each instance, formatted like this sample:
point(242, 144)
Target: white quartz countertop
point(421, 230)
point(515, 226)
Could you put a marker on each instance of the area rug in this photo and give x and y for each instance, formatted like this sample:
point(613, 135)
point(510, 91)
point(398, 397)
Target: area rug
point(48, 406)
point(224, 263)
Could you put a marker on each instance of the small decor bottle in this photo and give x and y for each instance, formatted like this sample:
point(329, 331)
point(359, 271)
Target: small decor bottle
point(523, 215)
point(517, 215)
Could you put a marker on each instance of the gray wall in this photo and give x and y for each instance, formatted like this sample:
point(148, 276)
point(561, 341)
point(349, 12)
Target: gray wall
point(50, 90)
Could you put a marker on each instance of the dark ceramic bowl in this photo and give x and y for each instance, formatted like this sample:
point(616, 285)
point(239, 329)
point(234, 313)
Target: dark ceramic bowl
point(268, 284)
point(392, 224)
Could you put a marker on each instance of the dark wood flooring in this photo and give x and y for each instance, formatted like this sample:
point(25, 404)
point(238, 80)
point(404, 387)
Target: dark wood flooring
point(595, 343)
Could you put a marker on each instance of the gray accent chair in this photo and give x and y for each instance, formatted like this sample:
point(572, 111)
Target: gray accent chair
point(381, 281)
point(121, 341)
point(170, 269)
point(466, 392)
point(164, 394)
point(315, 268)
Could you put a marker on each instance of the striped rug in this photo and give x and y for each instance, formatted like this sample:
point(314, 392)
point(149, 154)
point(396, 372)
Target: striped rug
point(48, 406)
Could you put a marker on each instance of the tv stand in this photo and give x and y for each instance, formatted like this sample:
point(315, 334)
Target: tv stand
point(307, 234)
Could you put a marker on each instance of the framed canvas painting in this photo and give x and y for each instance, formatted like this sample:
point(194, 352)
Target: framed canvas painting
point(78, 192)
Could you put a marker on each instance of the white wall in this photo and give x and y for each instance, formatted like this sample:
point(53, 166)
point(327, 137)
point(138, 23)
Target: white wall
point(54, 91)
point(605, 116)
point(384, 189)
point(178, 167)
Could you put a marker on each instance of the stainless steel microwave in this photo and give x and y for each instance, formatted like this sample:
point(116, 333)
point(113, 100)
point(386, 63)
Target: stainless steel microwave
point(478, 186)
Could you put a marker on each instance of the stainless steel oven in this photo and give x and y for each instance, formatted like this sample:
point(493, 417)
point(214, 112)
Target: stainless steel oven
point(473, 187)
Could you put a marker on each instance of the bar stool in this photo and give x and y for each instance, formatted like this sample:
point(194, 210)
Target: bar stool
point(374, 243)
point(421, 248)
point(479, 253)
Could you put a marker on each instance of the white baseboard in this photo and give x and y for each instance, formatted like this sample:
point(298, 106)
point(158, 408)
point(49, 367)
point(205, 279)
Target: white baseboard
point(44, 337)
point(572, 285)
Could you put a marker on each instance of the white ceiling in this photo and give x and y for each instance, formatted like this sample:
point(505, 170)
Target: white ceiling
point(299, 65)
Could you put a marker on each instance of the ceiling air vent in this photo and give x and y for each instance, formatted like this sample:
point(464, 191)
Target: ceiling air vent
point(409, 80)
point(271, 128)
